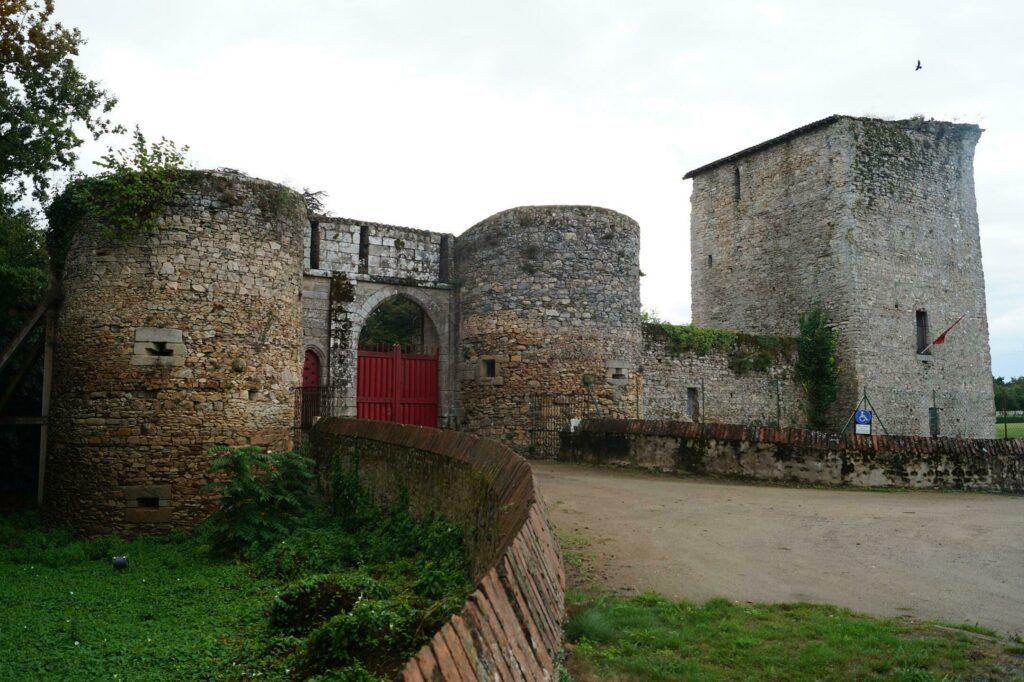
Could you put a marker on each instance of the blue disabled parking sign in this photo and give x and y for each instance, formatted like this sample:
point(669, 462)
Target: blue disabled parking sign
point(862, 422)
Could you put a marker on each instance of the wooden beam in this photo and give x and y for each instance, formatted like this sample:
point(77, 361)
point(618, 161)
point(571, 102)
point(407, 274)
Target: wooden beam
point(23, 372)
point(51, 333)
point(22, 421)
point(30, 324)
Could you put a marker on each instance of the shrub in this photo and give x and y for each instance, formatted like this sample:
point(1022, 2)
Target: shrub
point(308, 602)
point(125, 199)
point(378, 633)
point(264, 497)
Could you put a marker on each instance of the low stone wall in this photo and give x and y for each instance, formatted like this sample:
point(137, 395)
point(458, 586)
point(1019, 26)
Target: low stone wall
point(799, 455)
point(510, 628)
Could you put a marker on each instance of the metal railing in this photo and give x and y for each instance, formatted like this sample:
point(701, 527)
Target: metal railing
point(313, 402)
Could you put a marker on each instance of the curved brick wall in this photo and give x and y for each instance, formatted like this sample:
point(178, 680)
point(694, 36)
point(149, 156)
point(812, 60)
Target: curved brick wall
point(550, 294)
point(771, 454)
point(510, 628)
point(168, 344)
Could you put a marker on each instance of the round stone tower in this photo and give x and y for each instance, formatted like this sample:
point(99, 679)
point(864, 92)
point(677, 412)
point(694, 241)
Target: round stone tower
point(550, 321)
point(170, 343)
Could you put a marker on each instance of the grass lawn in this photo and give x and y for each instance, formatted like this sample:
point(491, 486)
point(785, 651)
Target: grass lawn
point(1015, 430)
point(324, 603)
point(652, 638)
point(66, 614)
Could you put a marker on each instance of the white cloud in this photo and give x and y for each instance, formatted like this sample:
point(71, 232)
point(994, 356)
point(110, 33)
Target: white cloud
point(438, 114)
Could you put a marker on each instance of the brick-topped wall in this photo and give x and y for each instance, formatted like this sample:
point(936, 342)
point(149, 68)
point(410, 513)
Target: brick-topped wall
point(510, 628)
point(803, 456)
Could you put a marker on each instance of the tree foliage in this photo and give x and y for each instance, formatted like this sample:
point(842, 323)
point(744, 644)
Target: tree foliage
point(1009, 393)
point(43, 96)
point(397, 321)
point(816, 368)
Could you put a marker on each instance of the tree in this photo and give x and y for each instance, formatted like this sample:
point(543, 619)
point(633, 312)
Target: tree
point(43, 96)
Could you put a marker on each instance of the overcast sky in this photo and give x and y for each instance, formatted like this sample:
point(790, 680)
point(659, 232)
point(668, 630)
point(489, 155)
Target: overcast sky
point(438, 114)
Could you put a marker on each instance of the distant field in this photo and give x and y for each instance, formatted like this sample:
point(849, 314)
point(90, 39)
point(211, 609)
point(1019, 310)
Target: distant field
point(1012, 430)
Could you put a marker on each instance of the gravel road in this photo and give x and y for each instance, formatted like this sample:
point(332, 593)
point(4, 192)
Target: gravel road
point(955, 557)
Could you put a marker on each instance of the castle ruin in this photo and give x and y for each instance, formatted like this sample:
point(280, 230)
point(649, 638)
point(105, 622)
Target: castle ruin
point(212, 328)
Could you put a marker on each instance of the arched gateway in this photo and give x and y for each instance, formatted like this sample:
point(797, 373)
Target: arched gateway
point(397, 371)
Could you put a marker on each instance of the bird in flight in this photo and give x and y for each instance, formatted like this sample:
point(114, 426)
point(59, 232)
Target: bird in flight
point(918, 65)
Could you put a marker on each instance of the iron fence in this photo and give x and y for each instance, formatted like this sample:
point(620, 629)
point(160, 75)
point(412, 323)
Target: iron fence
point(312, 403)
point(552, 415)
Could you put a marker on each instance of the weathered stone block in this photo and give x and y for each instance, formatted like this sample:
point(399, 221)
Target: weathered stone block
point(155, 334)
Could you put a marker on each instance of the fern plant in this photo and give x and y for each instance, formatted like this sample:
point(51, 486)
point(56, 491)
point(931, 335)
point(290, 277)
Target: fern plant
point(263, 497)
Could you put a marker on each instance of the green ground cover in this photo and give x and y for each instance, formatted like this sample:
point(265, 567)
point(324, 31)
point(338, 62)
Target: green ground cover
point(651, 638)
point(1011, 430)
point(344, 592)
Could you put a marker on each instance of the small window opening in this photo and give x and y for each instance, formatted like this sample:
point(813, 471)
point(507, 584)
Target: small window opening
point(314, 245)
point(364, 249)
point(490, 369)
point(933, 421)
point(619, 373)
point(149, 502)
point(710, 260)
point(159, 348)
point(922, 333)
point(736, 184)
point(443, 258)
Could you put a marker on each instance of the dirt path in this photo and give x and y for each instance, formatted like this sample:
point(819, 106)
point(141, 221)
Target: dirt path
point(955, 557)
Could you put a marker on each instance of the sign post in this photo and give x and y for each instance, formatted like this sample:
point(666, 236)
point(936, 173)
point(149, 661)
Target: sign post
point(862, 422)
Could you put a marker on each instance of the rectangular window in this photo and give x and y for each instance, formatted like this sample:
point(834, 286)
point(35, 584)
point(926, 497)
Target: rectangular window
point(444, 255)
point(933, 421)
point(490, 369)
point(692, 404)
point(364, 249)
point(922, 333)
point(314, 245)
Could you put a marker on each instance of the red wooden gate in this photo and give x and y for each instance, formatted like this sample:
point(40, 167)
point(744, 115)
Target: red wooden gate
point(392, 386)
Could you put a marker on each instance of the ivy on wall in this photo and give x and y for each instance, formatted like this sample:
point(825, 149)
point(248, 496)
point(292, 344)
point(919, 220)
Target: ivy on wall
point(816, 368)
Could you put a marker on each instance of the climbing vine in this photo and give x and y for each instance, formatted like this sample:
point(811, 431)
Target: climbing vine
point(123, 200)
point(816, 367)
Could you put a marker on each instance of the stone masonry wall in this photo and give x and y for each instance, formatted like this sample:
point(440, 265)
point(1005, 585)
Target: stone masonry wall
point(171, 343)
point(874, 220)
point(916, 246)
point(715, 387)
point(770, 454)
point(389, 251)
point(361, 265)
point(549, 300)
point(766, 240)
